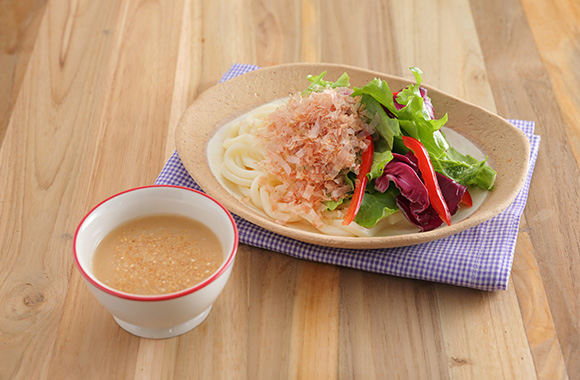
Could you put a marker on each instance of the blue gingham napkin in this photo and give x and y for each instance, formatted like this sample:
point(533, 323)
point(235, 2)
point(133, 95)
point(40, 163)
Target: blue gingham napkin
point(480, 257)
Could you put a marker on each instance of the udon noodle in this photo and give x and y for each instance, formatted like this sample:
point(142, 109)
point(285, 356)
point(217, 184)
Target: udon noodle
point(242, 154)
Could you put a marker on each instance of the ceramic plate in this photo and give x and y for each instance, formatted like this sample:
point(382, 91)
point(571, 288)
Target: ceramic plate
point(481, 132)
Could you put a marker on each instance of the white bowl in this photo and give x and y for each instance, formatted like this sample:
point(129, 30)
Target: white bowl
point(166, 315)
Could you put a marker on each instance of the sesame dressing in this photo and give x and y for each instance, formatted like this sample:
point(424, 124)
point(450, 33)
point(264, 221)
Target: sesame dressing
point(157, 254)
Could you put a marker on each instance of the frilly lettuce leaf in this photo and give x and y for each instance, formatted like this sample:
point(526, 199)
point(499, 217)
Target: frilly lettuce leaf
point(387, 128)
point(465, 169)
point(318, 83)
point(413, 116)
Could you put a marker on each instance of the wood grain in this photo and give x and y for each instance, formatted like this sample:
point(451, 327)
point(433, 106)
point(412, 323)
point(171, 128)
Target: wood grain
point(556, 33)
point(39, 195)
point(369, 305)
point(545, 347)
point(19, 22)
point(270, 315)
point(315, 316)
point(90, 94)
point(516, 66)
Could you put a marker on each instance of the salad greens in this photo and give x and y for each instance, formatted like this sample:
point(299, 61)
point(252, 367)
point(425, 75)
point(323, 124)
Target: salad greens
point(414, 116)
point(408, 112)
point(318, 82)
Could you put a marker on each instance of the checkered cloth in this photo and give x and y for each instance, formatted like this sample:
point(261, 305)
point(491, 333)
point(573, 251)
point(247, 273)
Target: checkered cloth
point(480, 257)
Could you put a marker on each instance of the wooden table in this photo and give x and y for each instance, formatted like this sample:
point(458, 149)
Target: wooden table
point(90, 95)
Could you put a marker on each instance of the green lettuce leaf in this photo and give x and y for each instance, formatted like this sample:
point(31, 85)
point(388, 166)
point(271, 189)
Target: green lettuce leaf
point(413, 117)
point(331, 205)
point(465, 169)
point(380, 91)
point(387, 127)
point(376, 206)
point(380, 160)
point(411, 98)
point(318, 83)
point(416, 121)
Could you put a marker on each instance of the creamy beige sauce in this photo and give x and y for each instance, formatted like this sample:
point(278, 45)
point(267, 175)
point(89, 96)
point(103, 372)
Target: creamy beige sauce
point(157, 254)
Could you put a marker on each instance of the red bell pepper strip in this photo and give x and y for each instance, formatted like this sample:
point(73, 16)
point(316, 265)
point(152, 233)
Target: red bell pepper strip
point(361, 182)
point(466, 199)
point(429, 178)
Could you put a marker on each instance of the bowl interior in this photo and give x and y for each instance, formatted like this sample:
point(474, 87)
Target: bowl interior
point(506, 147)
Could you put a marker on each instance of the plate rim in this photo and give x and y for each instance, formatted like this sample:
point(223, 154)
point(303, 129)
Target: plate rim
point(199, 168)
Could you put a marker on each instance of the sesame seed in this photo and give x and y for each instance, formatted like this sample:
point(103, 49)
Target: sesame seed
point(158, 255)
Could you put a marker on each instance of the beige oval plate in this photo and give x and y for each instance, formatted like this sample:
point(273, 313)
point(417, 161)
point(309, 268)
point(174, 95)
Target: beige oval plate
point(506, 146)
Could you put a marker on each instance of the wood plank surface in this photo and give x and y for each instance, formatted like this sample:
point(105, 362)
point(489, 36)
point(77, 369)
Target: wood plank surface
point(90, 96)
point(555, 244)
point(19, 22)
point(556, 32)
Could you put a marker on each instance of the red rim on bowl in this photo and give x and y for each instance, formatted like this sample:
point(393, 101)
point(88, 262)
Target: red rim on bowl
point(160, 297)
